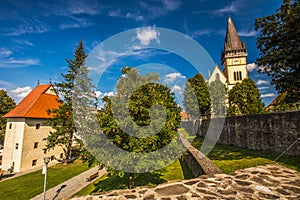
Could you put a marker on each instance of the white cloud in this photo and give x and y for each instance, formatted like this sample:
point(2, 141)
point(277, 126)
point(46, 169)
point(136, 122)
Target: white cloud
point(268, 95)
point(100, 95)
point(145, 35)
point(75, 22)
point(29, 26)
point(177, 89)
point(26, 42)
point(262, 82)
point(153, 11)
point(15, 63)
point(5, 52)
point(251, 67)
point(247, 34)
point(263, 88)
point(115, 13)
point(171, 4)
point(233, 8)
point(200, 33)
point(170, 78)
point(19, 93)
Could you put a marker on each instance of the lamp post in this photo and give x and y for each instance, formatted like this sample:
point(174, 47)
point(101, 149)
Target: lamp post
point(46, 161)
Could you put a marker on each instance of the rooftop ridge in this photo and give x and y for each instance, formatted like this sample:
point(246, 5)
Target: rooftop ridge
point(25, 106)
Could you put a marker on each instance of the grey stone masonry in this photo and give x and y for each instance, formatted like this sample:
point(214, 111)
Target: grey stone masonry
point(262, 182)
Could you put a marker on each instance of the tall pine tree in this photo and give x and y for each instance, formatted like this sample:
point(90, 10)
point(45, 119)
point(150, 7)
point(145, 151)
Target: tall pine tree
point(63, 118)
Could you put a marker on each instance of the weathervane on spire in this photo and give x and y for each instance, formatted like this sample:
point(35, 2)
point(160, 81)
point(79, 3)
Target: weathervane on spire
point(50, 81)
point(229, 8)
point(38, 82)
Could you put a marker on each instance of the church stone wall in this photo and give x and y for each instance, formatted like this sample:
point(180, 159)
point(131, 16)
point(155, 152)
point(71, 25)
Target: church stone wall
point(275, 132)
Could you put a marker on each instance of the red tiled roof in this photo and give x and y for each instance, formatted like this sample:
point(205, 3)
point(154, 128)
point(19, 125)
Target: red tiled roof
point(184, 115)
point(35, 104)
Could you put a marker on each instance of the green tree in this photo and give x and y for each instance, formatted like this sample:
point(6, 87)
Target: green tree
point(153, 117)
point(244, 99)
point(218, 97)
point(6, 105)
point(197, 100)
point(63, 120)
point(279, 43)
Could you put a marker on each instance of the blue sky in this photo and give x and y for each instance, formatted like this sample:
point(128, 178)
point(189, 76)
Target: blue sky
point(36, 38)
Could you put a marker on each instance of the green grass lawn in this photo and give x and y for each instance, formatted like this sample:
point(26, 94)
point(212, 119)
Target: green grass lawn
point(111, 181)
point(29, 185)
point(230, 158)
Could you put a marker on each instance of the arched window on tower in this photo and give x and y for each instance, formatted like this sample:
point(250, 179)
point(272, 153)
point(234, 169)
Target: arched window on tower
point(237, 76)
point(217, 76)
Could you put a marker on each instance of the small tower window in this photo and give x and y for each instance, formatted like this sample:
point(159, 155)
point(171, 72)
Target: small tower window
point(10, 125)
point(217, 77)
point(35, 145)
point(34, 162)
point(237, 76)
point(37, 126)
point(17, 145)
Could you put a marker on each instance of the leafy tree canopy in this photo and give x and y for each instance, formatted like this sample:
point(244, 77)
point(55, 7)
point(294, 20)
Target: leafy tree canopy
point(6, 105)
point(279, 45)
point(218, 97)
point(141, 118)
point(197, 100)
point(244, 99)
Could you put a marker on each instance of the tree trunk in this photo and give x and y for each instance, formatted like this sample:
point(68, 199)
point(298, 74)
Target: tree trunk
point(131, 178)
point(69, 149)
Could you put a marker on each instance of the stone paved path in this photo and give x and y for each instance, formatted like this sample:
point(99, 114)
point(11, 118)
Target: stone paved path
point(66, 189)
point(262, 182)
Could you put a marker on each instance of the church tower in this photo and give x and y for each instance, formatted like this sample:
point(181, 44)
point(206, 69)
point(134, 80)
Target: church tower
point(234, 56)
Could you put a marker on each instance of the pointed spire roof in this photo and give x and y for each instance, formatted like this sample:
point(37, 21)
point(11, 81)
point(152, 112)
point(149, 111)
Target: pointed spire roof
point(232, 40)
point(36, 103)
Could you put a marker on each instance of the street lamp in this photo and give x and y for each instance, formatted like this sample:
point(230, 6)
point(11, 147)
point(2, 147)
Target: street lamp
point(46, 161)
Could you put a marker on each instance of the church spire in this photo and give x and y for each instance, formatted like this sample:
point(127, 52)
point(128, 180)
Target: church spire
point(232, 40)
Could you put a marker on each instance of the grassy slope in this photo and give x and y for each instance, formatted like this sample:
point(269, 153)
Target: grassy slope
point(30, 185)
point(230, 158)
point(175, 171)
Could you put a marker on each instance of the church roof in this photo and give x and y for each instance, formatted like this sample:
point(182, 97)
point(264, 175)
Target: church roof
point(232, 40)
point(36, 103)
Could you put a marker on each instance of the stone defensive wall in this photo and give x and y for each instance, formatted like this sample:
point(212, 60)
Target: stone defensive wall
point(277, 132)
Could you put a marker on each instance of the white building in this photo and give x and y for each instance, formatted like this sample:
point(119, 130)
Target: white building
point(26, 130)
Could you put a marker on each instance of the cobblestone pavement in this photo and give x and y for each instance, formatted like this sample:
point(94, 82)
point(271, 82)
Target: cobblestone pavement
point(262, 182)
point(68, 188)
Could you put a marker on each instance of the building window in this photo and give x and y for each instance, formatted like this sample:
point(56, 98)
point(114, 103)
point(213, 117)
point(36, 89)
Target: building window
point(217, 77)
point(61, 155)
point(17, 145)
point(237, 76)
point(10, 125)
point(52, 158)
point(35, 145)
point(37, 126)
point(34, 162)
